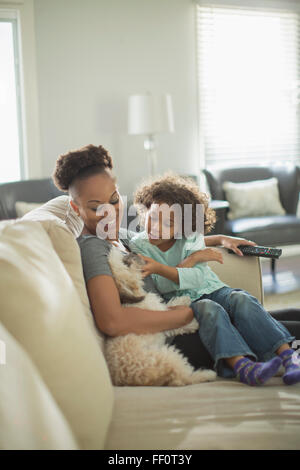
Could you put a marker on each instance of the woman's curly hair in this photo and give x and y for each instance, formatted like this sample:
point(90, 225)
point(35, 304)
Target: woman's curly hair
point(171, 188)
point(80, 164)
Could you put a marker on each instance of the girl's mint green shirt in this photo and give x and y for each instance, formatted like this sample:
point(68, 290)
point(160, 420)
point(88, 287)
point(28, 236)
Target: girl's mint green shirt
point(193, 282)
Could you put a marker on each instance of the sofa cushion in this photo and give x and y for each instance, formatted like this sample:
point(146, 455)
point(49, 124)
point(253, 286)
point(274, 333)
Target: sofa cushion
point(40, 307)
point(67, 248)
point(29, 415)
point(63, 225)
point(225, 414)
point(254, 198)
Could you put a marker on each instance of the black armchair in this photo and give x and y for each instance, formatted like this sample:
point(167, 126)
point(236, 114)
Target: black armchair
point(267, 230)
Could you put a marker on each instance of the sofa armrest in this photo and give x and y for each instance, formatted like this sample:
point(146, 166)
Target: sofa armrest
point(35, 190)
point(241, 272)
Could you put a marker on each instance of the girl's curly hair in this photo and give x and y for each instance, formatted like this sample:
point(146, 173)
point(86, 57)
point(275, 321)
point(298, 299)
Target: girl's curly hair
point(171, 188)
point(80, 164)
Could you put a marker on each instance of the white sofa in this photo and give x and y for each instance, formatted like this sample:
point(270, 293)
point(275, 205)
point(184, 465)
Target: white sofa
point(55, 388)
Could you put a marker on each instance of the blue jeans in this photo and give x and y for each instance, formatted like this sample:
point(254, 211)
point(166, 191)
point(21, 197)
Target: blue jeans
point(233, 323)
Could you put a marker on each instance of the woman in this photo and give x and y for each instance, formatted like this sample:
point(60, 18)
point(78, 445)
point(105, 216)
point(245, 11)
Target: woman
point(87, 176)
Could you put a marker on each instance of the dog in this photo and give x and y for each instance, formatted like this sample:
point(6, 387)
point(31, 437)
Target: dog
point(146, 359)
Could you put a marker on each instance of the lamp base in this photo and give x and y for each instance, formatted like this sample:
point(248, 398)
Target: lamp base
point(152, 162)
point(150, 146)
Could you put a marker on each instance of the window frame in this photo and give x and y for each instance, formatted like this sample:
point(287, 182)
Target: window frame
point(24, 11)
point(12, 17)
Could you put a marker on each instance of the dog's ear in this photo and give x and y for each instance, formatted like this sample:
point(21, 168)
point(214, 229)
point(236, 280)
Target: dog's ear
point(130, 258)
point(127, 275)
point(130, 299)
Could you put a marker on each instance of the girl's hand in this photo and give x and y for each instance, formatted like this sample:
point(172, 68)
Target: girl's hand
point(232, 243)
point(151, 266)
point(201, 256)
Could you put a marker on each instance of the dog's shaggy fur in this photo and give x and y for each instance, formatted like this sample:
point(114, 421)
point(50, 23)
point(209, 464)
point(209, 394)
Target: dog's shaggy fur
point(146, 359)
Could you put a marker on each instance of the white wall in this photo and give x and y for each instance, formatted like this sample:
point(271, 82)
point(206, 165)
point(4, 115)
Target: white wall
point(91, 55)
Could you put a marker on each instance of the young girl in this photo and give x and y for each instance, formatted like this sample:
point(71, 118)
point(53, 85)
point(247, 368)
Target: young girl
point(241, 337)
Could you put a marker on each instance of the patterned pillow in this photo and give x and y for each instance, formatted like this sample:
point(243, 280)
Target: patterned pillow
point(253, 199)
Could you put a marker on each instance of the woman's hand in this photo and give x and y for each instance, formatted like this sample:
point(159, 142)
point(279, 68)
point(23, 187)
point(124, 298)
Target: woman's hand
point(232, 243)
point(185, 310)
point(201, 256)
point(151, 266)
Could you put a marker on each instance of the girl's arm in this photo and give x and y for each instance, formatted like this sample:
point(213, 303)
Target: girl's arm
point(212, 254)
point(201, 256)
point(213, 240)
point(154, 267)
point(115, 320)
point(171, 273)
point(173, 278)
point(231, 243)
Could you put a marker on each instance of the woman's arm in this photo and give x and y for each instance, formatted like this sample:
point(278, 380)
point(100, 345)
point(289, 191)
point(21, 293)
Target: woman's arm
point(115, 320)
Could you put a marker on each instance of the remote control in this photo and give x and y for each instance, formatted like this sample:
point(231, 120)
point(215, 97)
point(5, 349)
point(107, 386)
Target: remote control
point(259, 251)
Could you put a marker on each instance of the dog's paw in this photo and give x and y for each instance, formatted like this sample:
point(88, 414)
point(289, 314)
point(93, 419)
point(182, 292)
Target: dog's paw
point(186, 329)
point(191, 327)
point(183, 300)
point(204, 375)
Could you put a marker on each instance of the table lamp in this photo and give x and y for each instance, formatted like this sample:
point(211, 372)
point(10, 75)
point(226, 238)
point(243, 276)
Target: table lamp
point(149, 115)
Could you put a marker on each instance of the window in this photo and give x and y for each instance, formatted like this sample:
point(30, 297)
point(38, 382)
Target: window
point(248, 75)
point(11, 155)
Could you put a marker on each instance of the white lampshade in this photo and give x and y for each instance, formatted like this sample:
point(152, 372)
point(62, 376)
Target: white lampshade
point(148, 114)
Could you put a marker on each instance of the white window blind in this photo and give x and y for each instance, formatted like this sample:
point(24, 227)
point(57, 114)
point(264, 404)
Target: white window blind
point(248, 76)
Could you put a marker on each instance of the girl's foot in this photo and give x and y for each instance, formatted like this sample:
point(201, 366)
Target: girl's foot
point(291, 363)
point(256, 373)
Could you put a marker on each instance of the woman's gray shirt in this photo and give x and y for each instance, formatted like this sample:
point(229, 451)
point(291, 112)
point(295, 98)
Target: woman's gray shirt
point(94, 253)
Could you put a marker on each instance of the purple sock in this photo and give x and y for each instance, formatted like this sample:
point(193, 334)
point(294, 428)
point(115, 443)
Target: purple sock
point(291, 363)
point(256, 373)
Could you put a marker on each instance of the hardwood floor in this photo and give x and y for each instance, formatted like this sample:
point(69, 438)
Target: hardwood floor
point(283, 291)
point(287, 275)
